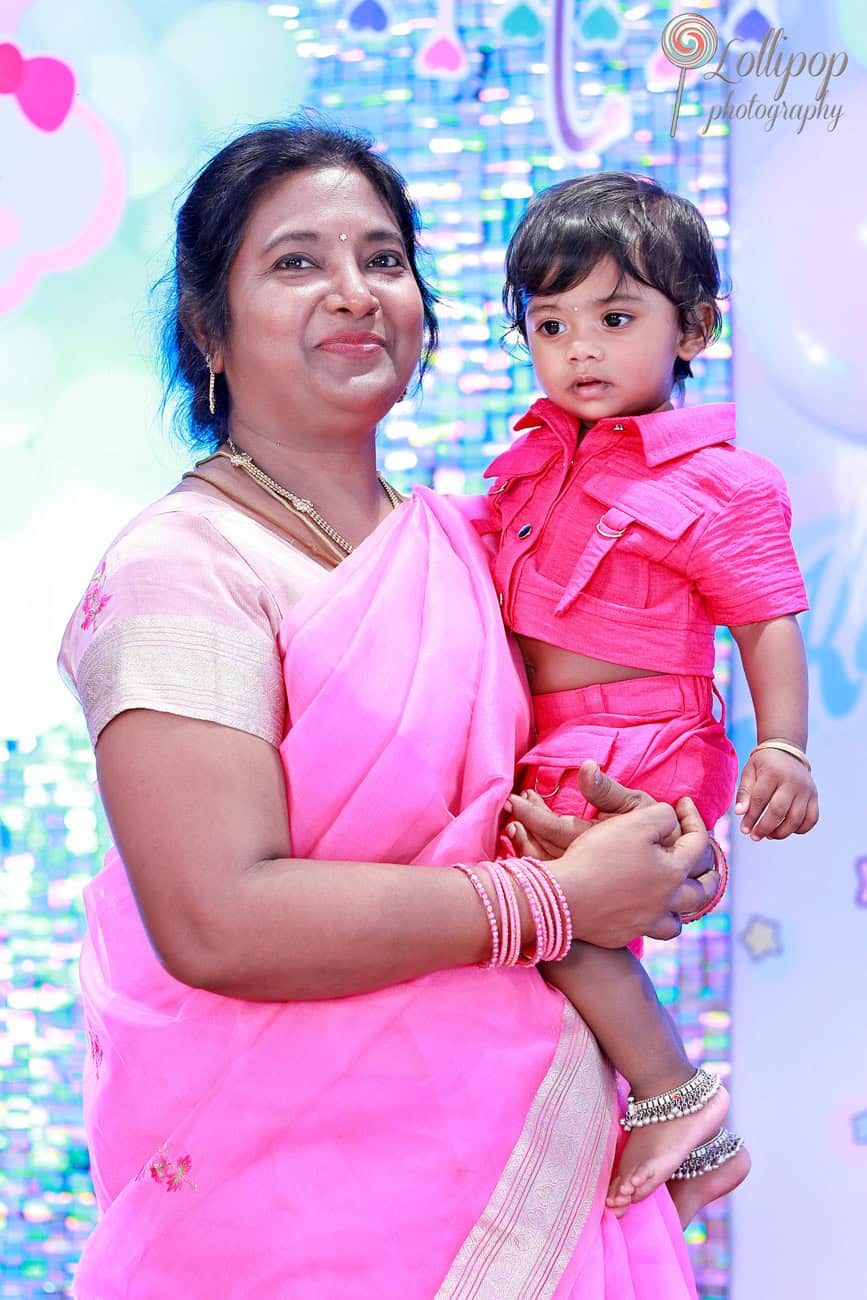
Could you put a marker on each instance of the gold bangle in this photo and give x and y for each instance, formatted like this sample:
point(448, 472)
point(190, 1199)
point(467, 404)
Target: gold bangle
point(788, 748)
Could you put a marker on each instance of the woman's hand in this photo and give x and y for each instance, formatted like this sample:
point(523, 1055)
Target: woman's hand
point(638, 873)
point(537, 831)
point(541, 833)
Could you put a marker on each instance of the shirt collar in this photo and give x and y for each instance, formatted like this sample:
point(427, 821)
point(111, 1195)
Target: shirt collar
point(664, 435)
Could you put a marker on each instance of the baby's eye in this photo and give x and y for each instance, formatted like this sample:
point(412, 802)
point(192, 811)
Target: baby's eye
point(616, 319)
point(387, 261)
point(551, 327)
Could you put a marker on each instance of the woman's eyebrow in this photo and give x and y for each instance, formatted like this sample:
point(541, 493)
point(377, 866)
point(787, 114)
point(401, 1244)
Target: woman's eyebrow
point(313, 236)
point(282, 236)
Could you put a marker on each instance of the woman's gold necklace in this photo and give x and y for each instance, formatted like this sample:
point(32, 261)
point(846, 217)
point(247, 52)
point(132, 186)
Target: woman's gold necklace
point(300, 506)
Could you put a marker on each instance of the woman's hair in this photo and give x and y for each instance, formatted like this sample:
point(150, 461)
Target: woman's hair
point(657, 238)
point(210, 228)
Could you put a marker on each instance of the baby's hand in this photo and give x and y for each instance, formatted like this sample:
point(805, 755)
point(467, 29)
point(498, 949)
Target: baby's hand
point(776, 795)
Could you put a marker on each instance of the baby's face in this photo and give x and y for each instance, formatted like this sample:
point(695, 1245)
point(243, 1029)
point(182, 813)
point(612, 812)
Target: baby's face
point(599, 351)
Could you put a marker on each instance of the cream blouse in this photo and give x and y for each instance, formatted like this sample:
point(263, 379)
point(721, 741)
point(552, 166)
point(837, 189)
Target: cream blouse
point(182, 616)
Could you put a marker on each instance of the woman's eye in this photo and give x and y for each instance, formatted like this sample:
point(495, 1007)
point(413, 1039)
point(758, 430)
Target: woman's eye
point(551, 328)
point(616, 319)
point(293, 262)
point(386, 261)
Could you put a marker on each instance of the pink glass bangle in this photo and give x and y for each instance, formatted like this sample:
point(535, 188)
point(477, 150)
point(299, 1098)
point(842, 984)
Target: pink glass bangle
point(551, 935)
point(722, 866)
point(515, 867)
point(489, 912)
point(563, 926)
point(548, 907)
point(510, 914)
point(546, 903)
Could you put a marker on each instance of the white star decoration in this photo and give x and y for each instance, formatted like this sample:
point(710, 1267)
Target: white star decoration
point(761, 938)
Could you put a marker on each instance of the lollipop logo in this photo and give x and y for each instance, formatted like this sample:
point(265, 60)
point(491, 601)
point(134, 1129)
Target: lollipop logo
point(688, 41)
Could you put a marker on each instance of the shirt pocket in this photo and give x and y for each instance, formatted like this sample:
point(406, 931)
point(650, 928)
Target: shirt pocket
point(638, 526)
point(521, 486)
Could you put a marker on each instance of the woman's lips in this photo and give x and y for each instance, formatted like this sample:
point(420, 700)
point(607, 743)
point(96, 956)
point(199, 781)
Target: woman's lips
point(353, 344)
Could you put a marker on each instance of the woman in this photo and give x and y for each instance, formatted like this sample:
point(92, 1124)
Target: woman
point(301, 1084)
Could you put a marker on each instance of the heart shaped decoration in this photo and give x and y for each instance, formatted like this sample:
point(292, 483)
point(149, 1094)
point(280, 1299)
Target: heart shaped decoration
point(752, 26)
point(600, 25)
point(442, 57)
point(369, 15)
point(522, 23)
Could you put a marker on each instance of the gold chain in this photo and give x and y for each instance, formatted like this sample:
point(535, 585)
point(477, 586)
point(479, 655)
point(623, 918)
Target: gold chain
point(300, 505)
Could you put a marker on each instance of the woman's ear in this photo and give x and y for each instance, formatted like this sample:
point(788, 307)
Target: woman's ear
point(695, 335)
point(211, 354)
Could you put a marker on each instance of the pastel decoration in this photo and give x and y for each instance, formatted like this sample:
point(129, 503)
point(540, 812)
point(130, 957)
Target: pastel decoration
point(600, 25)
point(43, 87)
point(752, 26)
point(522, 23)
point(861, 882)
point(369, 15)
point(660, 74)
point(688, 41)
point(749, 21)
point(761, 938)
point(39, 236)
point(442, 57)
point(10, 227)
point(575, 131)
point(443, 54)
point(813, 354)
point(853, 29)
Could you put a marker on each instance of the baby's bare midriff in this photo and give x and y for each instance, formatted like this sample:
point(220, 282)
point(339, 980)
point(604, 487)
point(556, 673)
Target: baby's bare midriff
point(551, 668)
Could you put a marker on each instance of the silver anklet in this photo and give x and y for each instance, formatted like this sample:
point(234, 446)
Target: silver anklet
point(685, 1100)
point(710, 1156)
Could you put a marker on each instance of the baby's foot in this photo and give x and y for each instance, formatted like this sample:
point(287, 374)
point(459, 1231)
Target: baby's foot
point(690, 1194)
point(654, 1151)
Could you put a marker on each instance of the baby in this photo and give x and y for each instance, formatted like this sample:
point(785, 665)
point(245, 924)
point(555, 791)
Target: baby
point(626, 530)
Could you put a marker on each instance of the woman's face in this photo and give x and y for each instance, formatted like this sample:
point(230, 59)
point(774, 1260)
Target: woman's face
point(325, 316)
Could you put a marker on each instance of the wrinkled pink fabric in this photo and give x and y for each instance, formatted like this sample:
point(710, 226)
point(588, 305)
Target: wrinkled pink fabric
point(346, 1148)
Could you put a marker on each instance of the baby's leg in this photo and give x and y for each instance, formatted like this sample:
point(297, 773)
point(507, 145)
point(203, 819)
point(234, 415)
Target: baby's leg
point(690, 1194)
point(614, 995)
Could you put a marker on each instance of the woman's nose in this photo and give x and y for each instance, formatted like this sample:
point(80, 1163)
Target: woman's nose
point(350, 292)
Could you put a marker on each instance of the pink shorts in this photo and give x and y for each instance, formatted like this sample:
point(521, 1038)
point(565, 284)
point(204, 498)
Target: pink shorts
point(656, 733)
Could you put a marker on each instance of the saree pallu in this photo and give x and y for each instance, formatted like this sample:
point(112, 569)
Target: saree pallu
point(449, 1137)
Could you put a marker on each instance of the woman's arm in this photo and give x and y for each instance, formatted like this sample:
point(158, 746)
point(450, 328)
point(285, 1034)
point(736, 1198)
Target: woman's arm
point(776, 794)
point(199, 816)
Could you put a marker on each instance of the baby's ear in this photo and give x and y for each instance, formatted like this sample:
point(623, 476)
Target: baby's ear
point(696, 333)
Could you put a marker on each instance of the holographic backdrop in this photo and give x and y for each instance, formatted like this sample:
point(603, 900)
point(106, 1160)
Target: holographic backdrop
point(479, 104)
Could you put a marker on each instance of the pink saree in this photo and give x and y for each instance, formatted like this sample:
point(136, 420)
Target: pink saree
point(445, 1139)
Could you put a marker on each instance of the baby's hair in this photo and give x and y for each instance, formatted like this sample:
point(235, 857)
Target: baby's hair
point(659, 239)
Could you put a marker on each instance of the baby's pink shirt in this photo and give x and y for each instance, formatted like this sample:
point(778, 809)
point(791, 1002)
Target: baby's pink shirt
point(634, 545)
